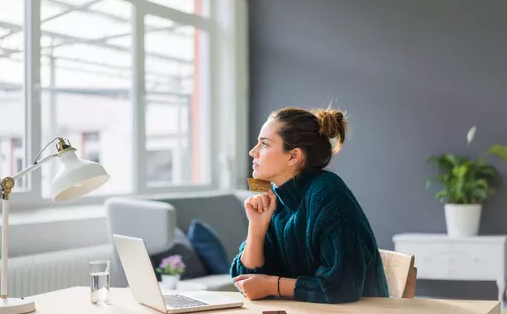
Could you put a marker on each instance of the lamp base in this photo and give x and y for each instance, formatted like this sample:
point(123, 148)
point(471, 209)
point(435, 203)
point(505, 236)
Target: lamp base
point(16, 306)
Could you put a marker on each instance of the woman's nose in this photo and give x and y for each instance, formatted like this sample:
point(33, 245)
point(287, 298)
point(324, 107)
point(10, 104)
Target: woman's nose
point(252, 152)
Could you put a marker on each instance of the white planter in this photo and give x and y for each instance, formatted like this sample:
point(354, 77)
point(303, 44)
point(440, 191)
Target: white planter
point(170, 282)
point(462, 220)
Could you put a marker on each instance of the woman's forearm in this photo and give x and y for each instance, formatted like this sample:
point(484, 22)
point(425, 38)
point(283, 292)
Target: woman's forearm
point(286, 286)
point(253, 253)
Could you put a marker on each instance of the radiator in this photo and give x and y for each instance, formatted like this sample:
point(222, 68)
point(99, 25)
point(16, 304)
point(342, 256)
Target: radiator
point(40, 273)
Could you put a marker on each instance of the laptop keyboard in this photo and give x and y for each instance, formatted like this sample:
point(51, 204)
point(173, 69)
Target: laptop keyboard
point(177, 301)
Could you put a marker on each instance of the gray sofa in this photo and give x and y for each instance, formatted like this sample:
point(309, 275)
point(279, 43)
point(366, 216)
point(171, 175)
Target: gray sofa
point(155, 220)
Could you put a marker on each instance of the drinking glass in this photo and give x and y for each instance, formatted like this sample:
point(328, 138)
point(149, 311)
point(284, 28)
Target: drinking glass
point(100, 279)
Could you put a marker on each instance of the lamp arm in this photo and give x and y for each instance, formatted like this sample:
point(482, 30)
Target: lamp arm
point(33, 167)
point(62, 147)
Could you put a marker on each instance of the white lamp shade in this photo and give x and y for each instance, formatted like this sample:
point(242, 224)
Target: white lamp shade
point(76, 178)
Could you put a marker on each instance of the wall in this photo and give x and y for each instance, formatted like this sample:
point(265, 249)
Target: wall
point(414, 76)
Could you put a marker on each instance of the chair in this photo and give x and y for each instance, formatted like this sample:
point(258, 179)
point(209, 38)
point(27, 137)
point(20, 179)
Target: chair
point(400, 273)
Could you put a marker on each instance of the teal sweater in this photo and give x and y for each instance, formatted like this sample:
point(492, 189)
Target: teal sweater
point(320, 236)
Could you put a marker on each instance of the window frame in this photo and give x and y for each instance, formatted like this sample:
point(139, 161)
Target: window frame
point(228, 159)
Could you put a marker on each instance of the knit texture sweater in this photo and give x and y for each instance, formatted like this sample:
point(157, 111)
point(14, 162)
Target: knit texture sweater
point(320, 236)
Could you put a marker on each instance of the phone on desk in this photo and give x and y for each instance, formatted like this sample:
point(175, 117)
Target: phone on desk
point(274, 312)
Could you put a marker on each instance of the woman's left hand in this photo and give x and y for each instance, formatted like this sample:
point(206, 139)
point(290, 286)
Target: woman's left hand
point(256, 286)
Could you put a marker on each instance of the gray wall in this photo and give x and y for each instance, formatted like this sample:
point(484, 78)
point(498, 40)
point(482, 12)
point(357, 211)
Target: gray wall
point(414, 76)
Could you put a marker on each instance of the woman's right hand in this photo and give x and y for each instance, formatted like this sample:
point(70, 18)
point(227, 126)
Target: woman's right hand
point(259, 210)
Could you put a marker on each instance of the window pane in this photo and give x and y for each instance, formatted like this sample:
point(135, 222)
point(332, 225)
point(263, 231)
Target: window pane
point(177, 128)
point(121, 10)
point(86, 81)
point(12, 108)
point(160, 166)
point(74, 2)
point(199, 7)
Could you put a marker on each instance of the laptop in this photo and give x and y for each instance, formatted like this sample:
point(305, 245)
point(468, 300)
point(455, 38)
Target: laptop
point(145, 289)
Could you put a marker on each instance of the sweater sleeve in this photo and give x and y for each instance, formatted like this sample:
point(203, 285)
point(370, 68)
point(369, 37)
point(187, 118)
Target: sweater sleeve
point(237, 267)
point(340, 277)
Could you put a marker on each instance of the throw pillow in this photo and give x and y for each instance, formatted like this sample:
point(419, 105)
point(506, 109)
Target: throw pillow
point(182, 246)
point(209, 247)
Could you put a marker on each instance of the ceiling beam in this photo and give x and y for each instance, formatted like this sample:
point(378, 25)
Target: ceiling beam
point(85, 8)
point(70, 9)
point(98, 44)
point(106, 38)
point(93, 91)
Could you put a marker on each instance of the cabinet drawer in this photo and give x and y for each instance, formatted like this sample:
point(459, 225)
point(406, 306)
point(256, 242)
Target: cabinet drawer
point(476, 262)
point(431, 260)
point(450, 260)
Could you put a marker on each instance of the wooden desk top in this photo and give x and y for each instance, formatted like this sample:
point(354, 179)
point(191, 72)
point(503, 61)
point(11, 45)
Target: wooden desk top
point(77, 300)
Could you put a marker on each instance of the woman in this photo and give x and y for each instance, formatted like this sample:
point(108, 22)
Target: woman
point(308, 238)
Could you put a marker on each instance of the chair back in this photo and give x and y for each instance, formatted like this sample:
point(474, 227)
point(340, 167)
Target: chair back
point(400, 273)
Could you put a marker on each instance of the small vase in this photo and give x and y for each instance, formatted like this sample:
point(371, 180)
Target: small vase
point(170, 282)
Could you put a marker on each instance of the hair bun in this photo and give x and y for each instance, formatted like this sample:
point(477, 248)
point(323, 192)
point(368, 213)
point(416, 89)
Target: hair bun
point(332, 125)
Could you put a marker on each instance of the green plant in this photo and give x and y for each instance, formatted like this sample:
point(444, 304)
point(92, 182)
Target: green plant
point(465, 180)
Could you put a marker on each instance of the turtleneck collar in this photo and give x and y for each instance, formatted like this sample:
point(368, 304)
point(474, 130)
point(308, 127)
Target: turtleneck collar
point(292, 191)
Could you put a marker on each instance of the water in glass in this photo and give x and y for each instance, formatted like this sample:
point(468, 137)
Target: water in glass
point(99, 282)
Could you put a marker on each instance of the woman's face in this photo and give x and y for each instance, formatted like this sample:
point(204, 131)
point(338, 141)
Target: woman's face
point(270, 162)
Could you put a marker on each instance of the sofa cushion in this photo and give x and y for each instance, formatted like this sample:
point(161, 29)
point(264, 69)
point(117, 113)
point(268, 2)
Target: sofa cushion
point(224, 212)
point(154, 222)
point(209, 247)
point(182, 246)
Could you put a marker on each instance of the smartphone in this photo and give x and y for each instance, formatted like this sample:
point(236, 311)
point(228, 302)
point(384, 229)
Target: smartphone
point(274, 312)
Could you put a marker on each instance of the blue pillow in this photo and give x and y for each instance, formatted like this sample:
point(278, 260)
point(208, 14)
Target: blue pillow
point(208, 247)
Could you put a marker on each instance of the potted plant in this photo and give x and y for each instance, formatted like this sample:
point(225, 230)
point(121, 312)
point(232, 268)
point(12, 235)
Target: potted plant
point(170, 269)
point(467, 184)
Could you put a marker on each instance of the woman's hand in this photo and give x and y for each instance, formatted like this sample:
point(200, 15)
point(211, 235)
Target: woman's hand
point(256, 286)
point(259, 210)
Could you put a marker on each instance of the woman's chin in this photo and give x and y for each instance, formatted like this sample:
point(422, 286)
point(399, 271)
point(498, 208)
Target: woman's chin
point(255, 174)
point(259, 176)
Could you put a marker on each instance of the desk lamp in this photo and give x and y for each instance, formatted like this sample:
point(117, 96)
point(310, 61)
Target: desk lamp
point(75, 178)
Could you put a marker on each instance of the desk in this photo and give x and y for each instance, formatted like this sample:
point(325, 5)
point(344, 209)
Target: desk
point(438, 256)
point(77, 301)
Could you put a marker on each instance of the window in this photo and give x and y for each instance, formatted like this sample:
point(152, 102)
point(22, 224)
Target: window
point(188, 6)
point(19, 167)
point(86, 77)
point(90, 146)
point(3, 159)
point(17, 143)
point(12, 108)
point(17, 157)
point(93, 156)
point(91, 137)
point(160, 167)
point(128, 82)
point(176, 100)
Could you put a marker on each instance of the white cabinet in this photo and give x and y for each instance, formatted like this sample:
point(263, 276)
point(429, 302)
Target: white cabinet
point(438, 256)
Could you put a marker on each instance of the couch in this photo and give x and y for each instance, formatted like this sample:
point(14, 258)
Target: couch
point(155, 220)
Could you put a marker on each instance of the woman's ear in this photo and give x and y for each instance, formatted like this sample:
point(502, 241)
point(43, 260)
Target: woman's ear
point(296, 156)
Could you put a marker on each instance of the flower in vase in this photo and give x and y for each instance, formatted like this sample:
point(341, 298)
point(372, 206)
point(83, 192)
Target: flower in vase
point(172, 265)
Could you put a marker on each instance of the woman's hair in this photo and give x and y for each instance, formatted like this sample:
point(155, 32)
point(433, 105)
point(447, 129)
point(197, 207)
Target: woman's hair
point(318, 133)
